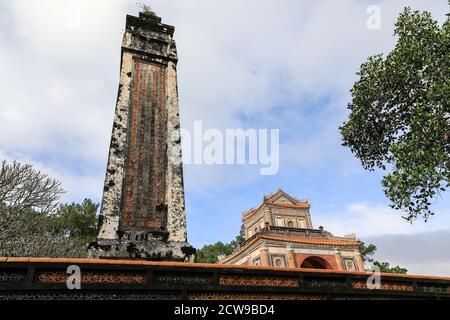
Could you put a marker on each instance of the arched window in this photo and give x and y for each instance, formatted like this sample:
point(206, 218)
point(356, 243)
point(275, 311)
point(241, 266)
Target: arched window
point(256, 230)
point(278, 263)
point(290, 224)
point(314, 263)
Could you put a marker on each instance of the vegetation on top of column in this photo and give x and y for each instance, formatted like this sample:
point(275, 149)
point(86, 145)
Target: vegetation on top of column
point(146, 9)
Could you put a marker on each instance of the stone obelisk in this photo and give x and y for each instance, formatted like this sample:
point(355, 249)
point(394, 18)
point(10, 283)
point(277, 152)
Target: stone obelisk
point(143, 210)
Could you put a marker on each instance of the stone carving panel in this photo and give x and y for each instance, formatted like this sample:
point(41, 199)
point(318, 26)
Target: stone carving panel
point(232, 280)
point(144, 188)
point(98, 295)
point(252, 296)
point(11, 276)
point(177, 278)
point(93, 277)
point(325, 283)
point(391, 286)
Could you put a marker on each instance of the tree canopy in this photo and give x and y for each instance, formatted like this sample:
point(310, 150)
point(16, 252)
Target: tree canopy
point(400, 114)
point(23, 188)
point(210, 253)
point(367, 253)
point(33, 223)
point(78, 220)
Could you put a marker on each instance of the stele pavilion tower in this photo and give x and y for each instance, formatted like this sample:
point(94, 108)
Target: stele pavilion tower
point(280, 233)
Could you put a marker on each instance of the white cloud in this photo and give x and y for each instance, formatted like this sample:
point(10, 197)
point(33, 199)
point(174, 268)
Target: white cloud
point(65, 31)
point(421, 253)
point(61, 61)
point(76, 186)
point(369, 220)
point(421, 247)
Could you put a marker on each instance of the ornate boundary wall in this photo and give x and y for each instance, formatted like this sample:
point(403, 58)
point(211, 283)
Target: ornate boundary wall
point(45, 279)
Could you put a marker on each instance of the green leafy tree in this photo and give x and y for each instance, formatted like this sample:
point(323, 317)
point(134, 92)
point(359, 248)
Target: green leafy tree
point(386, 268)
point(210, 253)
point(77, 220)
point(400, 114)
point(367, 253)
point(240, 238)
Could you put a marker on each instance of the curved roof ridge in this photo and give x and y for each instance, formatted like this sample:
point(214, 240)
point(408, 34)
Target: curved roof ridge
point(312, 240)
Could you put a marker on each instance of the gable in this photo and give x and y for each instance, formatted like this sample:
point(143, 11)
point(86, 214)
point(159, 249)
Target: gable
point(282, 197)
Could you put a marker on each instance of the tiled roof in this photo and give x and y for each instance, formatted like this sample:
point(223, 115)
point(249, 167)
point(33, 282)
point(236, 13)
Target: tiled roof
point(245, 247)
point(313, 241)
point(317, 241)
point(301, 205)
point(206, 265)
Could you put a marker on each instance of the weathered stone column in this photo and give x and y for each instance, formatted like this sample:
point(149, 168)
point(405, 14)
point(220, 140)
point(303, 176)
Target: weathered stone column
point(360, 262)
point(143, 211)
point(291, 258)
point(339, 262)
point(267, 217)
point(264, 252)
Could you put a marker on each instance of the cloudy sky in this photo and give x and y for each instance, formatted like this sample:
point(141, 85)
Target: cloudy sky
point(285, 65)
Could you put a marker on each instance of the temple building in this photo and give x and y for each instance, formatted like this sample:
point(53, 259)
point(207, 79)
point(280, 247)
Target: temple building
point(280, 233)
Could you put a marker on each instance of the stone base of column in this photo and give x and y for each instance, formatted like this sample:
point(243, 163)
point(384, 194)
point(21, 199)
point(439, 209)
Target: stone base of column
point(151, 250)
